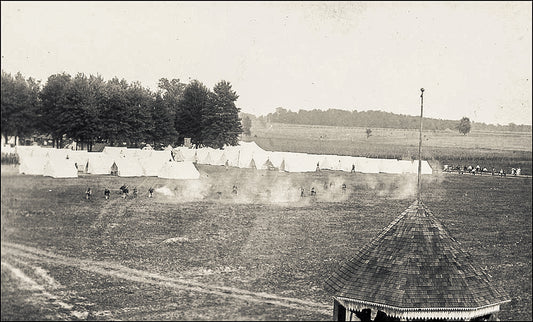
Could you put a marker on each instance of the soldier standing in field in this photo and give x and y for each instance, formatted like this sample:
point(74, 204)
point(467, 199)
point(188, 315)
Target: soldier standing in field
point(88, 193)
point(150, 192)
point(106, 193)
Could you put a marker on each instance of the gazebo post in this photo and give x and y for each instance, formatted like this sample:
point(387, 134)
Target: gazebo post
point(339, 311)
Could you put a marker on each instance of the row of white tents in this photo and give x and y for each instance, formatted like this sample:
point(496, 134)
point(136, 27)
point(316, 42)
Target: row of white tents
point(66, 163)
point(250, 155)
point(178, 163)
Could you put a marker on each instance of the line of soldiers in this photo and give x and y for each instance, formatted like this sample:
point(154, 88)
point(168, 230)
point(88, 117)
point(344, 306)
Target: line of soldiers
point(124, 191)
point(312, 192)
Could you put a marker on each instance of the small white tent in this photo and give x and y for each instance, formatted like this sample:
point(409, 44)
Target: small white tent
point(128, 167)
point(32, 165)
point(59, 167)
point(179, 170)
point(80, 158)
point(99, 163)
point(153, 162)
point(114, 151)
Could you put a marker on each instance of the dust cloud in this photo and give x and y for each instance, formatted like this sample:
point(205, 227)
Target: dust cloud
point(278, 188)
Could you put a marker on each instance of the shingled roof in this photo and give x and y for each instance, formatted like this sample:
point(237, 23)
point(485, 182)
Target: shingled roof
point(415, 269)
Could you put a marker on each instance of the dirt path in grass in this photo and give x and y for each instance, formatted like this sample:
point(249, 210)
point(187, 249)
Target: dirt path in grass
point(105, 268)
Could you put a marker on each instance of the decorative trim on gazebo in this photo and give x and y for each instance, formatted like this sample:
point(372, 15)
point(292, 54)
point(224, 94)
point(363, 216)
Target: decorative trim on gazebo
point(459, 313)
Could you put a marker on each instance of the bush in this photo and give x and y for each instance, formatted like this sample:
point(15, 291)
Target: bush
point(10, 158)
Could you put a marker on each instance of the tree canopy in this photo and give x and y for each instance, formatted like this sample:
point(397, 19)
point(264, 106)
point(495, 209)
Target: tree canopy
point(88, 109)
point(464, 125)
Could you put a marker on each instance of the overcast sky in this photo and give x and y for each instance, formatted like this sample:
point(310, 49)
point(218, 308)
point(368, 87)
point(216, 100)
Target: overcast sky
point(473, 59)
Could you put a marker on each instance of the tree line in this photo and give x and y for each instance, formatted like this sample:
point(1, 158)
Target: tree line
point(377, 119)
point(88, 109)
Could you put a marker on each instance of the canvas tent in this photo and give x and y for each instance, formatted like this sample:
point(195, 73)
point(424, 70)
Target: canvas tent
point(153, 162)
point(32, 165)
point(99, 163)
point(128, 167)
point(80, 158)
point(188, 154)
point(114, 151)
point(60, 168)
point(299, 162)
point(179, 170)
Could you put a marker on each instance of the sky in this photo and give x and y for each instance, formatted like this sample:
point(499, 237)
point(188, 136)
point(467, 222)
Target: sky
point(472, 58)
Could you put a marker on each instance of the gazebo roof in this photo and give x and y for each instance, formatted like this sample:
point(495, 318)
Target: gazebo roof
point(415, 269)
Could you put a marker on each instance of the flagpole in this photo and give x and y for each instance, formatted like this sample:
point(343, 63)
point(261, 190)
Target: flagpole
point(420, 144)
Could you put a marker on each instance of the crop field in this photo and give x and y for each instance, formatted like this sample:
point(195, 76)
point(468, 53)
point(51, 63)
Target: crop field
point(198, 252)
point(488, 149)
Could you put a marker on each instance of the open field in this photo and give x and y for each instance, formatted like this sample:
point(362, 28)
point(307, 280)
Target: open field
point(488, 149)
point(197, 252)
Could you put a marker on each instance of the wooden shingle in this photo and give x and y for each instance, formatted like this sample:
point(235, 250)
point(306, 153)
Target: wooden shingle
point(414, 263)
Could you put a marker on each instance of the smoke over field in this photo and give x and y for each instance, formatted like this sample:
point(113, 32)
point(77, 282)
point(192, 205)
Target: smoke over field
point(247, 186)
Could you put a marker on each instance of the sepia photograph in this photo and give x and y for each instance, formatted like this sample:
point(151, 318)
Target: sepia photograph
point(266, 160)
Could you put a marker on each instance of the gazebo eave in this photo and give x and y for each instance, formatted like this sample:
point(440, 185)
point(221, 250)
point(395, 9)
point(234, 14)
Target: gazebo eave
point(453, 313)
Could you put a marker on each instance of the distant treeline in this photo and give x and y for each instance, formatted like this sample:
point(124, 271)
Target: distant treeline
point(88, 109)
point(376, 119)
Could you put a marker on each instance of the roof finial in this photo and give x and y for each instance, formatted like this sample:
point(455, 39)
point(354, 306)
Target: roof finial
point(420, 145)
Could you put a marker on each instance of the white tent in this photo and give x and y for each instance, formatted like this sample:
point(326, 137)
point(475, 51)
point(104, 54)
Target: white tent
point(367, 165)
point(245, 159)
point(188, 154)
point(59, 167)
point(233, 156)
point(133, 153)
point(99, 163)
point(389, 166)
point(128, 167)
point(260, 160)
point(327, 161)
point(32, 165)
point(179, 170)
point(178, 156)
point(221, 159)
point(277, 159)
point(215, 156)
point(299, 162)
point(57, 153)
point(345, 163)
point(24, 150)
point(114, 151)
point(153, 162)
point(80, 158)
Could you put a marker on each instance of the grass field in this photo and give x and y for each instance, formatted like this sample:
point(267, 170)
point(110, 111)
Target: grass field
point(197, 252)
point(488, 149)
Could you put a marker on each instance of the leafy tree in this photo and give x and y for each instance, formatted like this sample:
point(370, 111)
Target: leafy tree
point(246, 125)
point(464, 125)
point(84, 109)
point(220, 118)
point(53, 114)
point(116, 112)
point(193, 103)
point(164, 113)
point(163, 130)
point(19, 105)
point(140, 116)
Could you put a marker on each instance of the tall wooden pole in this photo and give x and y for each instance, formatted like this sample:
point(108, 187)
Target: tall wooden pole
point(420, 145)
